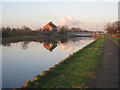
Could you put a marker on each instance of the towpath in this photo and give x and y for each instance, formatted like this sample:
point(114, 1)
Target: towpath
point(107, 74)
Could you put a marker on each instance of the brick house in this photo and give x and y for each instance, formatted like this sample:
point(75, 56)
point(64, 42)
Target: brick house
point(50, 27)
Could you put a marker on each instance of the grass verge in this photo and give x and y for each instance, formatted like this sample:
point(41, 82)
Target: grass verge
point(114, 39)
point(73, 72)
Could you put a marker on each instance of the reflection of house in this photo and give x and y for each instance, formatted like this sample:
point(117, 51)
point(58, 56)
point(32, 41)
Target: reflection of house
point(49, 27)
point(49, 46)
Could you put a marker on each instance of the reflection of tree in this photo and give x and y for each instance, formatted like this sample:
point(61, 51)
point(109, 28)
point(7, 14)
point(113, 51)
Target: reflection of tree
point(25, 44)
point(7, 44)
point(63, 40)
point(50, 45)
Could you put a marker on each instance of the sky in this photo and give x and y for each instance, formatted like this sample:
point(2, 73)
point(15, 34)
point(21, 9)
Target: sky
point(59, 0)
point(86, 15)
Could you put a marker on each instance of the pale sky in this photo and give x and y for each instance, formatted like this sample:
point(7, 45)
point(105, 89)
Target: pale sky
point(60, 0)
point(87, 15)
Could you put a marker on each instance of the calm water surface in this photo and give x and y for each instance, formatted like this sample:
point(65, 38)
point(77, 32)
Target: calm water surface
point(24, 60)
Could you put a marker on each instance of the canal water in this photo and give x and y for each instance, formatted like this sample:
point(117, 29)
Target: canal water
point(22, 61)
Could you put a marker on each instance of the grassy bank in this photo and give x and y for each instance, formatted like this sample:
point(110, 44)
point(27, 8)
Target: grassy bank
point(75, 71)
point(114, 39)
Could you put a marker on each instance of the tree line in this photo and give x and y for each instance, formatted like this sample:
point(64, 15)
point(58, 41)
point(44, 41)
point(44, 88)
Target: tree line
point(13, 32)
point(113, 28)
point(26, 31)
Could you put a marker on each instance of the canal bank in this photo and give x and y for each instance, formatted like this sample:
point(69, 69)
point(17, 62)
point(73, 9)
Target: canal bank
point(75, 71)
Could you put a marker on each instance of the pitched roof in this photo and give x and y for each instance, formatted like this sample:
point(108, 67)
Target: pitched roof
point(47, 27)
point(51, 24)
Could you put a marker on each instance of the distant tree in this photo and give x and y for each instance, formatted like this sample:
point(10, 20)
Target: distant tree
point(117, 26)
point(109, 28)
point(85, 30)
point(113, 28)
point(74, 29)
point(12, 32)
point(64, 28)
point(6, 32)
point(63, 32)
point(26, 28)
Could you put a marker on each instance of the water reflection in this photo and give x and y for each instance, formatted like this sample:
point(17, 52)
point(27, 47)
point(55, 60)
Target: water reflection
point(50, 45)
point(6, 44)
point(24, 44)
point(22, 64)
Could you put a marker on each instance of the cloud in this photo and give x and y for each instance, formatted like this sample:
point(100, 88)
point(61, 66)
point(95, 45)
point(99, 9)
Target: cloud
point(70, 21)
